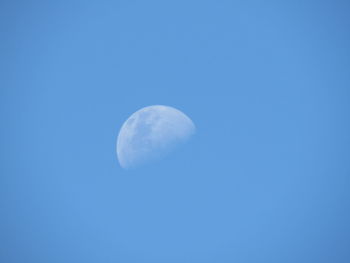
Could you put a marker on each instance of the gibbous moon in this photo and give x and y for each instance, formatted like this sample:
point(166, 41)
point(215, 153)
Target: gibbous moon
point(150, 133)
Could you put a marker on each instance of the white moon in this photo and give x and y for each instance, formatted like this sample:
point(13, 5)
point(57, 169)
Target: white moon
point(150, 133)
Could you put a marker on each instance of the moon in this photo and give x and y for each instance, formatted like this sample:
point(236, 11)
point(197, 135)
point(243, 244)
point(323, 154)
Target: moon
point(151, 133)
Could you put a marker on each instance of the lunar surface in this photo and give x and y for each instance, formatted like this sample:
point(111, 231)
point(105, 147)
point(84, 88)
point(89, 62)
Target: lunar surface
point(151, 133)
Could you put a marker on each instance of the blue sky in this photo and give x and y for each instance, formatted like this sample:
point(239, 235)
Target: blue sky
point(265, 178)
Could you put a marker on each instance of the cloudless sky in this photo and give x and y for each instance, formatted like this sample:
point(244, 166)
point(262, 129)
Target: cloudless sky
point(266, 178)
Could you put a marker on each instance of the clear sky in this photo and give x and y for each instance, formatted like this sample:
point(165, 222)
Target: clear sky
point(266, 178)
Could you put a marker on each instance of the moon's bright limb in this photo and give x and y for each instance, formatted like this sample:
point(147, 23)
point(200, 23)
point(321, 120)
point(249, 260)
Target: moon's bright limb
point(150, 133)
